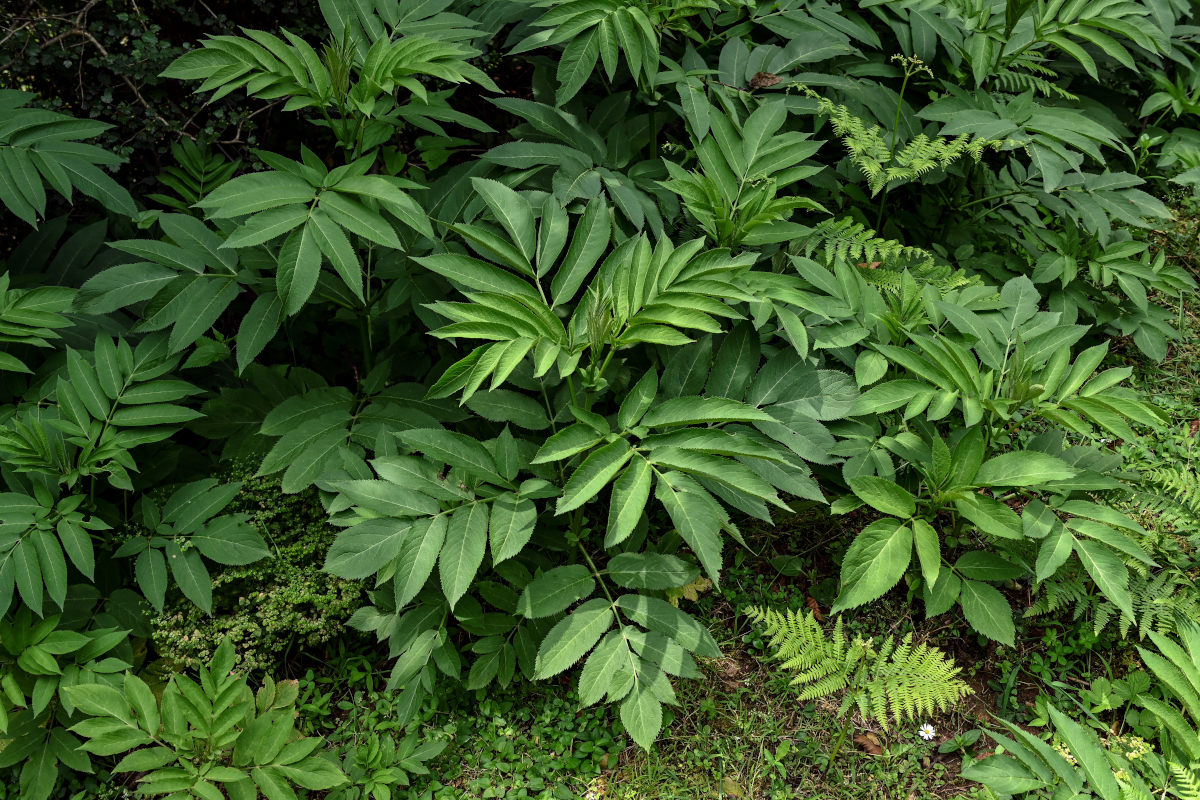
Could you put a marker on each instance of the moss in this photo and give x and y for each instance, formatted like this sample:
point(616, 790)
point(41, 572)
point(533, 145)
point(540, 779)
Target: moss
point(273, 606)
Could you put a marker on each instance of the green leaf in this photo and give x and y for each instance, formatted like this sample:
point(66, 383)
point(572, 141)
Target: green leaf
point(576, 65)
point(572, 637)
point(1053, 553)
point(659, 615)
point(608, 658)
point(628, 501)
point(463, 551)
point(983, 566)
point(641, 714)
point(512, 211)
point(504, 405)
point(695, 516)
point(588, 242)
point(884, 495)
point(146, 760)
point(455, 449)
point(156, 414)
point(1088, 753)
point(1023, 468)
point(992, 516)
point(365, 548)
point(150, 569)
point(869, 367)
point(929, 550)
point(874, 563)
point(987, 611)
point(28, 574)
point(315, 773)
point(512, 524)
point(258, 328)
point(566, 443)
point(100, 700)
point(655, 571)
point(299, 267)
point(256, 192)
point(1108, 571)
point(187, 567)
point(596, 471)
point(230, 540)
point(417, 557)
point(265, 226)
point(381, 497)
point(638, 401)
point(701, 411)
point(554, 591)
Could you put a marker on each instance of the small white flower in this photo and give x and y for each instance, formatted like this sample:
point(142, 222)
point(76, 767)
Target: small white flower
point(927, 732)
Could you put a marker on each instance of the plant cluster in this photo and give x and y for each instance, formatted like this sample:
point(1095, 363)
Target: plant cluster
point(527, 387)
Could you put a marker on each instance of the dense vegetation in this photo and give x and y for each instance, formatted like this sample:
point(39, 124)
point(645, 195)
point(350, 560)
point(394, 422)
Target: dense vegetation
point(395, 392)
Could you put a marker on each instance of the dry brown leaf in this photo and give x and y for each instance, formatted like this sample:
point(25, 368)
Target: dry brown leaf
point(763, 80)
point(815, 608)
point(870, 743)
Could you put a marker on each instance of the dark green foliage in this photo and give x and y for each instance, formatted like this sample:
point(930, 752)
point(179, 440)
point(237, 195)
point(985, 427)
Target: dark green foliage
point(509, 392)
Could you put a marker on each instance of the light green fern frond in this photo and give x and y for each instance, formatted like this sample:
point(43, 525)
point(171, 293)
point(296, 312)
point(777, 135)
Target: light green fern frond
point(853, 242)
point(1162, 601)
point(889, 679)
point(1187, 784)
point(1016, 82)
point(1172, 492)
point(881, 161)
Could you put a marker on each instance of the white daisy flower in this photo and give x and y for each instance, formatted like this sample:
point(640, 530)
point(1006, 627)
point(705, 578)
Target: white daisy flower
point(927, 732)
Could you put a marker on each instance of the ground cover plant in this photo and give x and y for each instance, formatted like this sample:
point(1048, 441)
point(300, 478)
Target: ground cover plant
point(551, 362)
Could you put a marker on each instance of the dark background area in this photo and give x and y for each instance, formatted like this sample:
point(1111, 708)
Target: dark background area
point(101, 59)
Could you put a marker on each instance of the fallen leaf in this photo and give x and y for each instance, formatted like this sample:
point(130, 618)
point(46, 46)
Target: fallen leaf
point(870, 743)
point(815, 608)
point(1195, 427)
point(763, 80)
point(730, 788)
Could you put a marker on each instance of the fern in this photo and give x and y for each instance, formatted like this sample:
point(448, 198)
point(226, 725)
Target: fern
point(881, 162)
point(1016, 82)
point(1187, 785)
point(1172, 493)
point(900, 680)
point(1162, 602)
point(853, 242)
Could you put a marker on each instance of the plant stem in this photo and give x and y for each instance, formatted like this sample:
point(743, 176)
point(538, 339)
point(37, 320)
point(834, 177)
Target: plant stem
point(837, 746)
point(895, 140)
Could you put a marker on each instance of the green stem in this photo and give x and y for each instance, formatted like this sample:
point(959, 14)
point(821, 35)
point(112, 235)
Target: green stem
point(895, 141)
point(840, 740)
